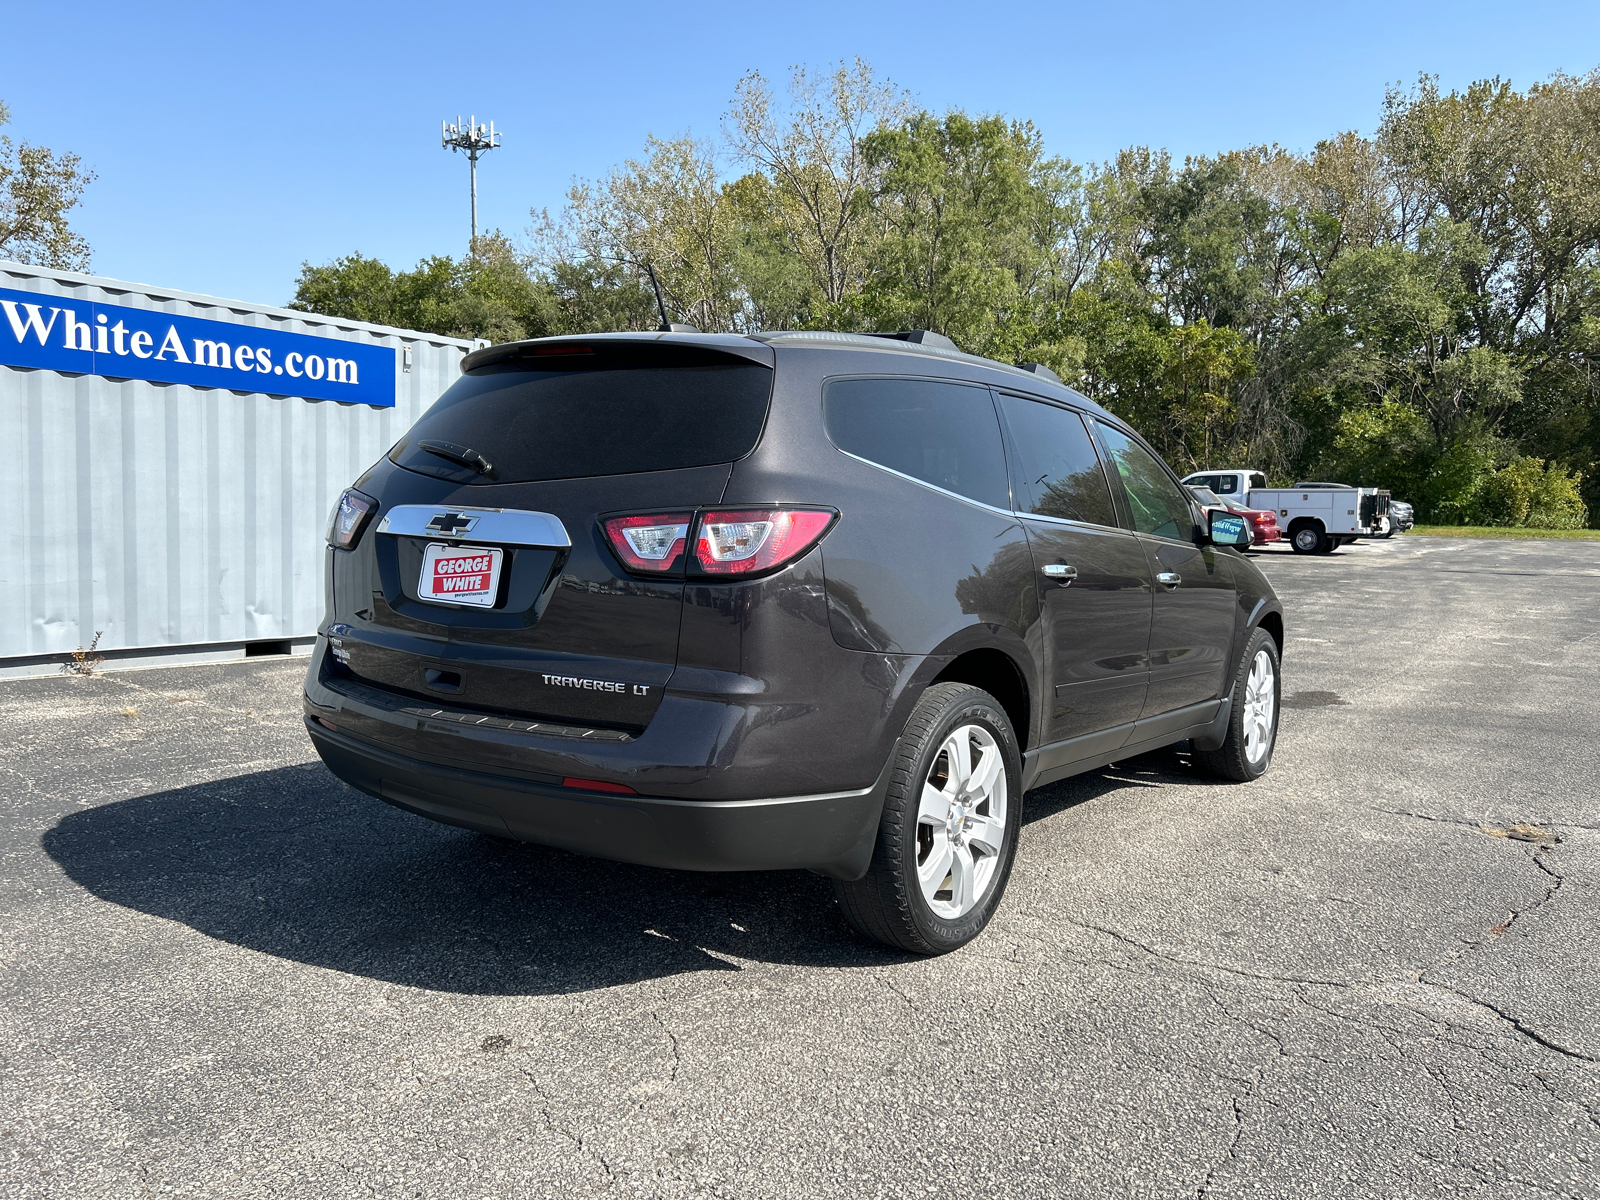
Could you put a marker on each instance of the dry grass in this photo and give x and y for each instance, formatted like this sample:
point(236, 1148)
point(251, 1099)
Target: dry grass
point(1494, 531)
point(131, 711)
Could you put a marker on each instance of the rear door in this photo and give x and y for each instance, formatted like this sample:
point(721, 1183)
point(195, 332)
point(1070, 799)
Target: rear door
point(487, 581)
point(1093, 578)
point(1191, 632)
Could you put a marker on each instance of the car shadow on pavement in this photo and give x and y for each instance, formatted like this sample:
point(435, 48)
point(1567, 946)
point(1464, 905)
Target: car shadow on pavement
point(291, 862)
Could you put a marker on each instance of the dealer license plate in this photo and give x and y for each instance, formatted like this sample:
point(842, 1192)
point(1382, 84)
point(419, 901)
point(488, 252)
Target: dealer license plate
point(467, 575)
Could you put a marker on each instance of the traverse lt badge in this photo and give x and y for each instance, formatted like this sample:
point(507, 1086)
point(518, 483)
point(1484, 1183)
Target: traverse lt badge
point(598, 685)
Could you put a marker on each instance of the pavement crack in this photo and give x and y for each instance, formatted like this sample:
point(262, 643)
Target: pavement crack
point(672, 1042)
point(1517, 1023)
point(1231, 1155)
point(577, 1139)
point(1210, 966)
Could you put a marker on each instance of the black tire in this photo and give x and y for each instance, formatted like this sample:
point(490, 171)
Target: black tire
point(1309, 537)
point(888, 904)
point(1232, 760)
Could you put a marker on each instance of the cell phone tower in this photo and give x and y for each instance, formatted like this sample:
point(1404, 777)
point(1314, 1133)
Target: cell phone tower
point(476, 140)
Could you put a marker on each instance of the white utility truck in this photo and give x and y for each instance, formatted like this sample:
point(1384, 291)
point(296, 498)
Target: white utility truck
point(1315, 517)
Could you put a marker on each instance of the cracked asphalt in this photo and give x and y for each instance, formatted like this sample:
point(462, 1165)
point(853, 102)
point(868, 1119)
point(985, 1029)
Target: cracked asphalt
point(1372, 973)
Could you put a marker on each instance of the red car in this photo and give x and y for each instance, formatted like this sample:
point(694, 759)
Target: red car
point(1263, 521)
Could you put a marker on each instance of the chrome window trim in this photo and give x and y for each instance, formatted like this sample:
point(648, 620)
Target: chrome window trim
point(1076, 524)
point(497, 526)
point(932, 487)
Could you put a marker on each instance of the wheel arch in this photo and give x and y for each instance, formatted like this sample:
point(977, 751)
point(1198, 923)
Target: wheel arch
point(997, 673)
point(1272, 622)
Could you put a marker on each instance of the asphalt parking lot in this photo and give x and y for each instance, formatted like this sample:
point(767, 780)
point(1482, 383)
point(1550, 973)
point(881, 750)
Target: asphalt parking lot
point(1373, 973)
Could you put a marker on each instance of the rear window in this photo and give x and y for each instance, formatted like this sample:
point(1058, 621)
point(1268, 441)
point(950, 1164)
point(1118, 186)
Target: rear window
point(613, 411)
point(945, 434)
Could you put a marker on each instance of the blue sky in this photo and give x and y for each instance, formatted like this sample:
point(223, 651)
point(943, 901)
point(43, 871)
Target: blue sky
point(234, 141)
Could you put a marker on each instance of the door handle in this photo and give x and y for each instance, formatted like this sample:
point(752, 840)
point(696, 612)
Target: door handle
point(1060, 571)
point(1171, 578)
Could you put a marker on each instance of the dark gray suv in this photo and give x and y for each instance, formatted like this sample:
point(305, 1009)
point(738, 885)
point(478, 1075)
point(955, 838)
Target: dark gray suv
point(817, 600)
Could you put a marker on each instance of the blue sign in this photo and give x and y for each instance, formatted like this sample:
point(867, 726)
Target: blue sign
point(58, 333)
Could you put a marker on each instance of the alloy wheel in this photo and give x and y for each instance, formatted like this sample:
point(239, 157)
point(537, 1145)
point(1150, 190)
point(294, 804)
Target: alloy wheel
point(961, 822)
point(1260, 707)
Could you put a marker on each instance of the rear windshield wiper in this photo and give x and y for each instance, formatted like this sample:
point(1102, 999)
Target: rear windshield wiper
point(464, 455)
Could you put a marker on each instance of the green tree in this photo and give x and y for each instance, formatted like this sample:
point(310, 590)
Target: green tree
point(38, 189)
point(488, 294)
point(807, 228)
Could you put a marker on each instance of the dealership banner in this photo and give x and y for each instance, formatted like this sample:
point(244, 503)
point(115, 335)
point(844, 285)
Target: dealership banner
point(55, 333)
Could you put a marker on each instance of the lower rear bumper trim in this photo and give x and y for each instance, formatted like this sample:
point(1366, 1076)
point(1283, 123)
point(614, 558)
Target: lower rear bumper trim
point(832, 834)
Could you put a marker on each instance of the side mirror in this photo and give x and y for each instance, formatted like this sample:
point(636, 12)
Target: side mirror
point(1228, 529)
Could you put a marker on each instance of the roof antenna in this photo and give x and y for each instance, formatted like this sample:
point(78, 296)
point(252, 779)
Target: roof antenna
point(666, 325)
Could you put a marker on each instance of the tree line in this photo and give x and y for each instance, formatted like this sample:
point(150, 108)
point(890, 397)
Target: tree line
point(1418, 310)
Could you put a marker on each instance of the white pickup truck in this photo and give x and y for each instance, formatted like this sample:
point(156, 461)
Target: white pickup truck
point(1315, 517)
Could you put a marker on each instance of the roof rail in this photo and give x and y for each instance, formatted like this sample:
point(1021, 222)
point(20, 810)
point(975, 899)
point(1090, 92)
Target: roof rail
point(921, 337)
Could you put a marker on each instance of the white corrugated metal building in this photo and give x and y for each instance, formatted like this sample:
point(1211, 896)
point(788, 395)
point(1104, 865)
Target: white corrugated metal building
point(180, 521)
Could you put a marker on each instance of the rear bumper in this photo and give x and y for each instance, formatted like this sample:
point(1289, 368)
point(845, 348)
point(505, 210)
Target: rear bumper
point(831, 833)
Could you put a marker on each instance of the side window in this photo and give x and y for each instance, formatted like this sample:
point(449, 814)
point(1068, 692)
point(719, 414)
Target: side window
point(1158, 506)
point(1058, 473)
point(1225, 484)
point(945, 434)
point(1258, 480)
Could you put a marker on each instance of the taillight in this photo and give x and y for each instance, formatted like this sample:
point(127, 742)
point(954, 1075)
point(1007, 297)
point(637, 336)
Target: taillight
point(746, 541)
point(651, 544)
point(349, 518)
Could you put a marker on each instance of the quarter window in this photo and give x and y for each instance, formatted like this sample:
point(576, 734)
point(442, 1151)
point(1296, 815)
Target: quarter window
point(945, 434)
point(1157, 504)
point(1058, 472)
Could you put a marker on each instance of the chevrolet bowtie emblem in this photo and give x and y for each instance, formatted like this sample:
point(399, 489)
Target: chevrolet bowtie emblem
point(452, 523)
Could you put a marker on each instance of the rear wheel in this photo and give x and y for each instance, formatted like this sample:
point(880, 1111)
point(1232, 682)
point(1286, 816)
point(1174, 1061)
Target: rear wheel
point(1246, 753)
point(949, 829)
point(1309, 537)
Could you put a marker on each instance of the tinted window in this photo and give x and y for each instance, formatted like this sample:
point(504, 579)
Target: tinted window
point(1257, 480)
point(1225, 485)
point(1058, 472)
point(610, 413)
point(941, 433)
point(1157, 504)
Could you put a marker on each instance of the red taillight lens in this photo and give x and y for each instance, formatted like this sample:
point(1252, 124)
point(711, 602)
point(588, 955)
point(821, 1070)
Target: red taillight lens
point(746, 541)
point(651, 544)
point(598, 785)
point(349, 518)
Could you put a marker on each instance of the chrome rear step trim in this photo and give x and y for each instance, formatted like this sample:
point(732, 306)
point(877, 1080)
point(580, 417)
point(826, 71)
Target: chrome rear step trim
point(496, 526)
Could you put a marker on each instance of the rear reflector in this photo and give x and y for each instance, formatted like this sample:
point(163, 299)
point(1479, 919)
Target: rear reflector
point(599, 785)
point(747, 541)
point(652, 544)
